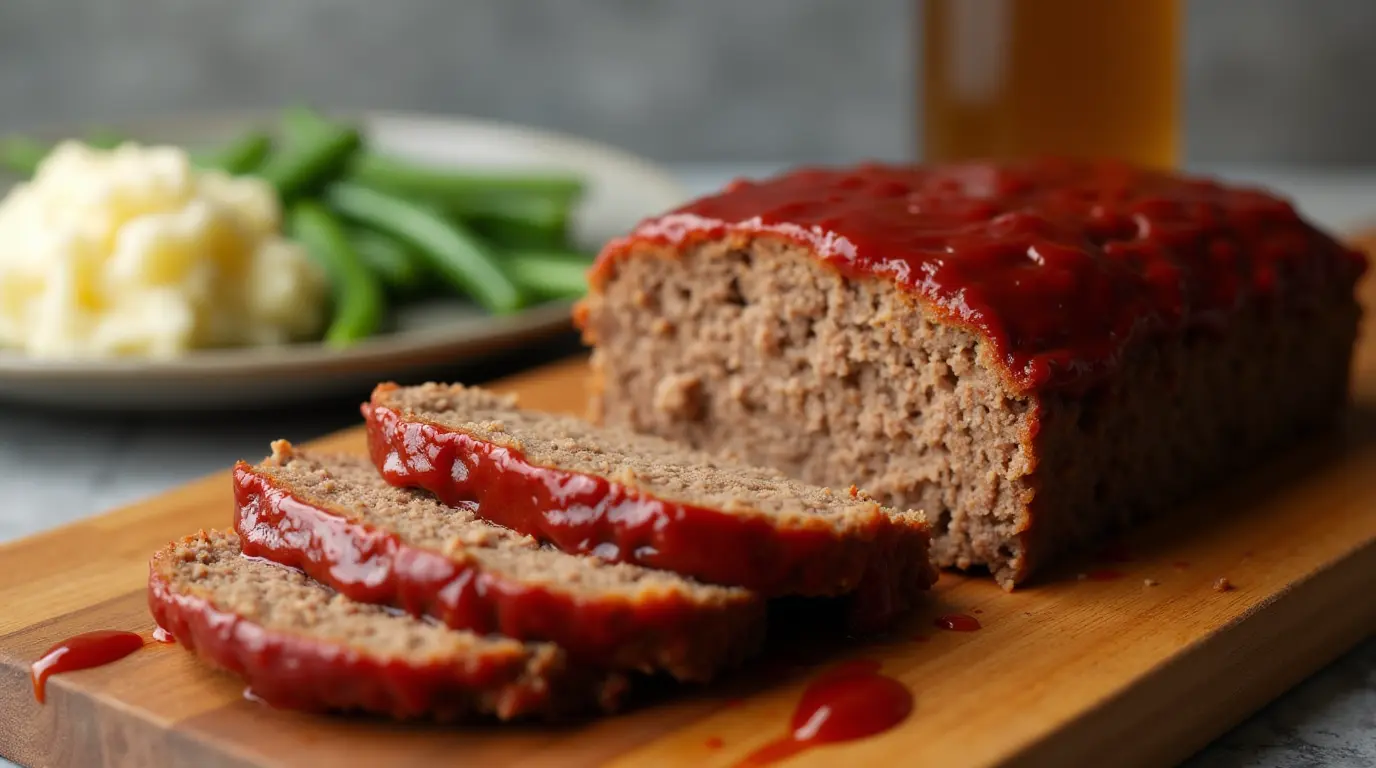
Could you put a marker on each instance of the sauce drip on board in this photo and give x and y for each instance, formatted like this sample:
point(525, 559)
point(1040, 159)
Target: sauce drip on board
point(90, 649)
point(1059, 264)
point(957, 622)
point(849, 701)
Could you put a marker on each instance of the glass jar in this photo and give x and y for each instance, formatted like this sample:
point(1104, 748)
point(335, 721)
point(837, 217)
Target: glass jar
point(1008, 78)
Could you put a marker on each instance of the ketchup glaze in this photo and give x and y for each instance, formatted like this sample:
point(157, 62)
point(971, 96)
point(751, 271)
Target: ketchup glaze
point(1057, 263)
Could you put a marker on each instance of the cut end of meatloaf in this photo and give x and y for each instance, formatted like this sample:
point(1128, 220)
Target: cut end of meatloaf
point(300, 645)
point(644, 463)
point(756, 347)
point(610, 614)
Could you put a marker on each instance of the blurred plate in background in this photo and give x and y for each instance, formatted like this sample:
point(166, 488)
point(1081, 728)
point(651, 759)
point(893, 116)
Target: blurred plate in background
point(622, 189)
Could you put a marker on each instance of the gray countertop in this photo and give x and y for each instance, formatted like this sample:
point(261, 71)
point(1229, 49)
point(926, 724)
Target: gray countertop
point(55, 468)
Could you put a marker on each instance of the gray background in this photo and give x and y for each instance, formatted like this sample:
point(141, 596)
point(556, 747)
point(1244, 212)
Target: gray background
point(685, 80)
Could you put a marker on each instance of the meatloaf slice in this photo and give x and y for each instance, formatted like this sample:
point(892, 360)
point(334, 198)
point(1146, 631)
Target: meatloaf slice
point(1032, 353)
point(641, 499)
point(336, 519)
point(301, 645)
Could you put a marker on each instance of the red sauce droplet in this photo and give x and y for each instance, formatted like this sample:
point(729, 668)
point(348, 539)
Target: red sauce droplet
point(957, 622)
point(1181, 564)
point(977, 611)
point(1105, 574)
point(850, 701)
point(733, 703)
point(163, 636)
point(91, 649)
point(714, 743)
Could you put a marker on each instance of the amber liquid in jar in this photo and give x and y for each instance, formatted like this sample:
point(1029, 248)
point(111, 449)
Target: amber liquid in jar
point(1082, 78)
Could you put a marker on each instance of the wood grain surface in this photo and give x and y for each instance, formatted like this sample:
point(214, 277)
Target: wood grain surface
point(1069, 671)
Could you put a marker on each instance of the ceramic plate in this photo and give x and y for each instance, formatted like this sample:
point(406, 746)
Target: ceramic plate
point(621, 190)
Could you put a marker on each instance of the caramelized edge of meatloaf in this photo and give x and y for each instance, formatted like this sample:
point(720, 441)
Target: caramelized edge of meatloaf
point(334, 517)
point(300, 645)
point(755, 347)
point(641, 499)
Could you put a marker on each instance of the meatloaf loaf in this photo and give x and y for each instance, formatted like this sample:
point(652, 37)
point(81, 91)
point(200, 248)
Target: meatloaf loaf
point(640, 499)
point(336, 519)
point(1032, 353)
point(300, 645)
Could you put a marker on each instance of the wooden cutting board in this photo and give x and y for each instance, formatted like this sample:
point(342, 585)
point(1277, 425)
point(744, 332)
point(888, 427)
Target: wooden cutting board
point(1140, 666)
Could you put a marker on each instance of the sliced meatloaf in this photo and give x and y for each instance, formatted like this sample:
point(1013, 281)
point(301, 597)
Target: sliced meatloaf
point(1032, 353)
point(336, 519)
point(641, 499)
point(301, 645)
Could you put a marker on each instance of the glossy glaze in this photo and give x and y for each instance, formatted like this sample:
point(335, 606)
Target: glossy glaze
point(293, 671)
point(584, 513)
point(850, 701)
point(84, 651)
point(1058, 264)
point(377, 566)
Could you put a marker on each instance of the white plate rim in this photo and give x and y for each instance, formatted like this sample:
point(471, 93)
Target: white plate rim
point(20, 374)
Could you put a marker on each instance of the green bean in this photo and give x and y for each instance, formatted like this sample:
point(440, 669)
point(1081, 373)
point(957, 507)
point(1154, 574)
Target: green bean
point(513, 234)
point(445, 185)
point(243, 155)
point(22, 154)
point(450, 250)
point(550, 274)
point(394, 263)
point(301, 122)
point(359, 304)
point(312, 157)
point(104, 138)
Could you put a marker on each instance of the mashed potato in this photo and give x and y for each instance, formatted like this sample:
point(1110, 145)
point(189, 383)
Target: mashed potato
point(134, 252)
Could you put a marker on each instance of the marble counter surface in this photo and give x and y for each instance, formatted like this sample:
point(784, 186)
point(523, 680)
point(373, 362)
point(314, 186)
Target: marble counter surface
point(59, 467)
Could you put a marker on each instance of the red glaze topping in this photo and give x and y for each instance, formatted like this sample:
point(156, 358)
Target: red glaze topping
point(292, 671)
point(957, 622)
point(850, 701)
point(376, 566)
point(91, 649)
point(589, 514)
point(1058, 264)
